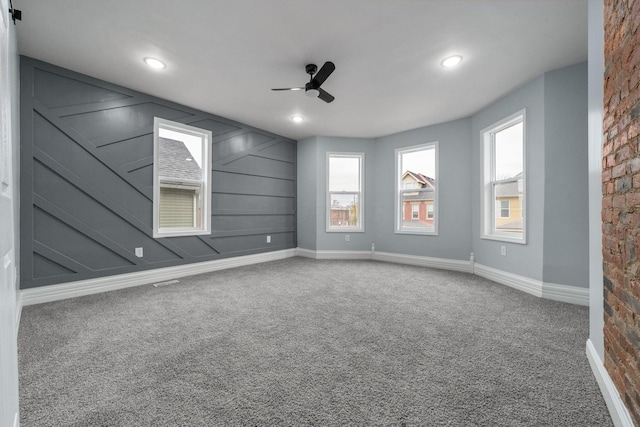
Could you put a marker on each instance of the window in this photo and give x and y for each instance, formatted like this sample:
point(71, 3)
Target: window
point(181, 179)
point(417, 189)
point(415, 210)
point(504, 208)
point(344, 196)
point(503, 180)
point(430, 210)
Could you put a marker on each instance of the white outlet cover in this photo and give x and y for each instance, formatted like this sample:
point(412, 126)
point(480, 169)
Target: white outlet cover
point(139, 252)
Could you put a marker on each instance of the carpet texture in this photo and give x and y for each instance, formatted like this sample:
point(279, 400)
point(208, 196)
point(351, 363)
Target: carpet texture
point(309, 342)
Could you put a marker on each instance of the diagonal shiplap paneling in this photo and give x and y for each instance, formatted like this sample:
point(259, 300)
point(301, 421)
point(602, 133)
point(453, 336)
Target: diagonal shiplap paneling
point(87, 176)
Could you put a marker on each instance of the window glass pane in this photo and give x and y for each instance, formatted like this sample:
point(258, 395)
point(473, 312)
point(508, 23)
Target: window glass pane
point(178, 208)
point(508, 152)
point(344, 210)
point(182, 174)
point(508, 201)
point(344, 174)
point(180, 161)
point(417, 186)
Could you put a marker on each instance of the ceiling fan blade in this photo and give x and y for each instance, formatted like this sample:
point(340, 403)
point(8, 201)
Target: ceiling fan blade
point(325, 96)
point(289, 88)
point(323, 73)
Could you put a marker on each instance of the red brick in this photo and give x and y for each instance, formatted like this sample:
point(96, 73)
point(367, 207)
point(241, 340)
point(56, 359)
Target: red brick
point(621, 202)
point(619, 170)
point(632, 199)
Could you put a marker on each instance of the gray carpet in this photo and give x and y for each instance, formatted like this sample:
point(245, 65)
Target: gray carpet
point(306, 342)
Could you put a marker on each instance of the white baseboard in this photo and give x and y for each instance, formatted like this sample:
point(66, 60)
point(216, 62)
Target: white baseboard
point(570, 294)
point(565, 293)
point(103, 284)
point(423, 261)
point(618, 411)
point(309, 253)
point(524, 284)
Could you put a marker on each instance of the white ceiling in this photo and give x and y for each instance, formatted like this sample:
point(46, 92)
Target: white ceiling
point(223, 56)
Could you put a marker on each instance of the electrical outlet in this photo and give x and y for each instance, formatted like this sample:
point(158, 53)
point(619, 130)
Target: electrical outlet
point(346, 238)
point(139, 252)
point(268, 239)
point(503, 250)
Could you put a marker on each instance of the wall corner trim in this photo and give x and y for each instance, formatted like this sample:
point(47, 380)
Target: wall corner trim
point(618, 411)
point(109, 283)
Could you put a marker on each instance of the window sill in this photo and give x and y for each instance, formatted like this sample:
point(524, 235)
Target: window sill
point(417, 233)
point(501, 238)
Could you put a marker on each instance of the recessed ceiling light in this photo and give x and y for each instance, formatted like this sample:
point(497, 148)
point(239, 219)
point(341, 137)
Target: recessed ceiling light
point(154, 63)
point(451, 61)
point(297, 119)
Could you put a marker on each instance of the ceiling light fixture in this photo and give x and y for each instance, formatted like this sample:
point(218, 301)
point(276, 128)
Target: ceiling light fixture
point(154, 63)
point(451, 61)
point(297, 119)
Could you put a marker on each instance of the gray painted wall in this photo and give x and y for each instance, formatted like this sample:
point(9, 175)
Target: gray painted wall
point(525, 260)
point(87, 173)
point(454, 179)
point(312, 181)
point(556, 159)
point(566, 222)
point(596, 96)
point(307, 221)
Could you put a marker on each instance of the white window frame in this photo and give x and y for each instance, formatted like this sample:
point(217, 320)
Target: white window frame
point(204, 185)
point(399, 208)
point(487, 168)
point(345, 229)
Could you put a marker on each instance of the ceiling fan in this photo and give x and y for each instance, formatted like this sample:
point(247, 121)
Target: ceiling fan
point(317, 77)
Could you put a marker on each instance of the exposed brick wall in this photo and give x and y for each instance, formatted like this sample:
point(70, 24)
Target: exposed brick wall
point(621, 199)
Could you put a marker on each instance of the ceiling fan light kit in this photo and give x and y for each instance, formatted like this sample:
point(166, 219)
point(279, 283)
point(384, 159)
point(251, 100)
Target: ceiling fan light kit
point(317, 77)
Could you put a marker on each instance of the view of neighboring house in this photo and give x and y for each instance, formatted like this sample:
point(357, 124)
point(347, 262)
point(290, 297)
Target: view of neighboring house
point(508, 197)
point(343, 214)
point(180, 185)
point(418, 193)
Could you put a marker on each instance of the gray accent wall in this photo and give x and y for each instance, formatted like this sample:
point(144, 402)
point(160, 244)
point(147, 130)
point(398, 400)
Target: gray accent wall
point(87, 176)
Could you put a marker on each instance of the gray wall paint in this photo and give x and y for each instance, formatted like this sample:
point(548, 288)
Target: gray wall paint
point(525, 260)
point(312, 187)
point(596, 96)
point(566, 228)
point(454, 179)
point(87, 172)
point(556, 154)
point(307, 192)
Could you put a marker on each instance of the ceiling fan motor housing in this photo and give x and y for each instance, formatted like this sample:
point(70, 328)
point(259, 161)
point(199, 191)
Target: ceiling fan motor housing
point(311, 69)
